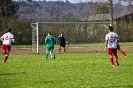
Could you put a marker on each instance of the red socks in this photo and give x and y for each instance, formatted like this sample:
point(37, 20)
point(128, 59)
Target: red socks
point(111, 60)
point(123, 53)
point(5, 58)
point(116, 58)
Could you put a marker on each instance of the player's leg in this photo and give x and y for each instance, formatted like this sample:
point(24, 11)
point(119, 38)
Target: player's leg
point(115, 56)
point(6, 56)
point(111, 60)
point(4, 52)
point(51, 52)
point(116, 60)
point(4, 49)
point(122, 52)
point(59, 49)
point(8, 48)
point(47, 51)
point(46, 56)
point(64, 47)
point(110, 56)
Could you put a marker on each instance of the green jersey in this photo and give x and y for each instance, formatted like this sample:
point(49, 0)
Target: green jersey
point(49, 40)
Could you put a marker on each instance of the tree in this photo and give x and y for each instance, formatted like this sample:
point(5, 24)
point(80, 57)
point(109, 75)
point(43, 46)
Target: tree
point(111, 11)
point(7, 9)
point(102, 10)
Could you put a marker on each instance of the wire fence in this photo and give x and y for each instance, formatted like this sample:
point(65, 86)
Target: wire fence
point(80, 37)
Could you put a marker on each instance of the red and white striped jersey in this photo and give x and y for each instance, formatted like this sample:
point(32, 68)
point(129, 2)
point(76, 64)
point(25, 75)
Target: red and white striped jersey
point(112, 38)
point(7, 38)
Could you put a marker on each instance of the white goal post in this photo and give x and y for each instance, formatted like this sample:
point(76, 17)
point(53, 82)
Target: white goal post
point(35, 31)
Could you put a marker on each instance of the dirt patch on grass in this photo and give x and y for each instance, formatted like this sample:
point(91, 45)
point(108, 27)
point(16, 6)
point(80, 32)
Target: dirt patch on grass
point(19, 51)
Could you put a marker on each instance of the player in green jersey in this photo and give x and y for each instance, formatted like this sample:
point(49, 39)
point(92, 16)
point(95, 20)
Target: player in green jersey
point(49, 41)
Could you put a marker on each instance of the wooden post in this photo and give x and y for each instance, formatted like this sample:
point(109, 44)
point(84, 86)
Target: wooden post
point(111, 11)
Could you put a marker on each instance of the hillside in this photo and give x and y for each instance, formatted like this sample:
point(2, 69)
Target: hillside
point(58, 10)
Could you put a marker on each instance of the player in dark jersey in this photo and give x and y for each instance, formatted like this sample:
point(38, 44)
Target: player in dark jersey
point(62, 42)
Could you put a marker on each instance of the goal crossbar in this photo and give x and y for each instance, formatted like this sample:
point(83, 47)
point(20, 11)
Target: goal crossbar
point(35, 27)
point(73, 22)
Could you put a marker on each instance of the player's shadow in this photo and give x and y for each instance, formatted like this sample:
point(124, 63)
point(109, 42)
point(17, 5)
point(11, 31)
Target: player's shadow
point(12, 73)
point(121, 86)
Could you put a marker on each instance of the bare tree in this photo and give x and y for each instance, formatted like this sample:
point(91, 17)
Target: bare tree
point(111, 11)
point(7, 9)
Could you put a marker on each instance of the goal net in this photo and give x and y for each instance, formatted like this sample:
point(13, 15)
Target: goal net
point(81, 36)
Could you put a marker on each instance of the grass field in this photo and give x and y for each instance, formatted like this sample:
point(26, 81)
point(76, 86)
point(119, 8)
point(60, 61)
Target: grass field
point(73, 45)
point(70, 70)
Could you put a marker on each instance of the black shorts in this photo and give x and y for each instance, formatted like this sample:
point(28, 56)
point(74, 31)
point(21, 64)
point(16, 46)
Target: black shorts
point(63, 44)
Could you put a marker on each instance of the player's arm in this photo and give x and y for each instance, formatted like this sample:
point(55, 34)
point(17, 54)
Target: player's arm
point(106, 45)
point(117, 39)
point(106, 42)
point(13, 40)
point(1, 39)
point(65, 39)
point(58, 38)
point(45, 40)
point(54, 40)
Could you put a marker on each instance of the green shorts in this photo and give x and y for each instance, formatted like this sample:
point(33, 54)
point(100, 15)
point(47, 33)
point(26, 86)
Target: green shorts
point(49, 47)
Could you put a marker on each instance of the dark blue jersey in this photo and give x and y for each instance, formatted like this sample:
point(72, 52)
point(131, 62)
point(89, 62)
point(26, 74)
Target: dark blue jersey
point(61, 39)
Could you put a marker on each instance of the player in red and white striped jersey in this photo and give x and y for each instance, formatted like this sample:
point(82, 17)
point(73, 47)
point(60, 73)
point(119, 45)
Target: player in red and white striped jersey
point(111, 41)
point(7, 40)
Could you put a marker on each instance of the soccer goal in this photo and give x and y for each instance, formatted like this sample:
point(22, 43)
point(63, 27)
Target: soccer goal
point(77, 33)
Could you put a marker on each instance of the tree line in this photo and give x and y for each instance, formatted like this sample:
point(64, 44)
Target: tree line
point(75, 33)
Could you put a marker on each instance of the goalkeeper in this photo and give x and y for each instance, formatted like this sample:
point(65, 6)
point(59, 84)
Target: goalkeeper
point(49, 41)
point(62, 41)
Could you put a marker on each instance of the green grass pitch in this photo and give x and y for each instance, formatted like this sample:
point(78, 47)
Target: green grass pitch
point(70, 70)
